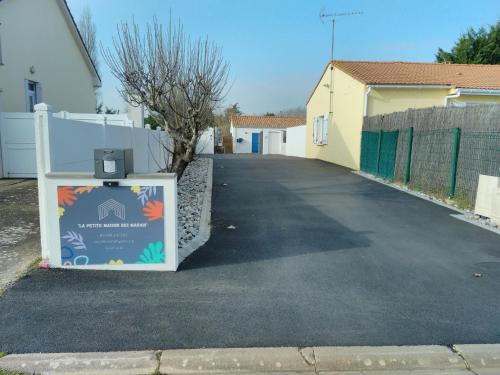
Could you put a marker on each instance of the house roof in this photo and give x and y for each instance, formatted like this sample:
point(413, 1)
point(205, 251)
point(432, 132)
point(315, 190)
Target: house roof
point(280, 122)
point(410, 73)
point(474, 76)
point(79, 40)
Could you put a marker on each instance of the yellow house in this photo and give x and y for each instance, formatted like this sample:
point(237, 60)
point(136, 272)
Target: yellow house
point(43, 58)
point(349, 90)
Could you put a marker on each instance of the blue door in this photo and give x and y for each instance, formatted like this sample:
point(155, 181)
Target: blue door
point(255, 143)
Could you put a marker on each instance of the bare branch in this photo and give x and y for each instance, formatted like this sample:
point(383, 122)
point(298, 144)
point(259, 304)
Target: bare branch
point(179, 81)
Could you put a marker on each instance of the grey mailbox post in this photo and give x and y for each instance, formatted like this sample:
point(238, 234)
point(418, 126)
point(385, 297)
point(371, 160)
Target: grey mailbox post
point(113, 163)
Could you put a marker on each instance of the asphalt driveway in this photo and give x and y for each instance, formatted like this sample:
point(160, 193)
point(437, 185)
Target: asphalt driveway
point(319, 256)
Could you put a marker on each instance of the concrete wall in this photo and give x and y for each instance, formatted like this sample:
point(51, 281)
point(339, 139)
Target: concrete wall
point(345, 124)
point(36, 33)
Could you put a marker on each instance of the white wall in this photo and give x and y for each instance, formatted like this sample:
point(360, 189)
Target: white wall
point(36, 33)
point(245, 134)
point(245, 147)
point(296, 141)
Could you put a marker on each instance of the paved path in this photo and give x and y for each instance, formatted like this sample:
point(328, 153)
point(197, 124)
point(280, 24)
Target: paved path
point(19, 239)
point(320, 256)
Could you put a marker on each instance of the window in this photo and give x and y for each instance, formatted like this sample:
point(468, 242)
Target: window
point(33, 92)
point(283, 136)
point(320, 130)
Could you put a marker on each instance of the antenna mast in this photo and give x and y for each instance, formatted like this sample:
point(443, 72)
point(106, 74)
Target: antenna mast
point(333, 16)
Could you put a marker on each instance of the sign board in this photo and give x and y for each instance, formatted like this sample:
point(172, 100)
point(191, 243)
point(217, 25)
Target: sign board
point(111, 225)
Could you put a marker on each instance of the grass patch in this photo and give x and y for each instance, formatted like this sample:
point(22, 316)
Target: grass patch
point(33, 266)
point(8, 372)
point(463, 202)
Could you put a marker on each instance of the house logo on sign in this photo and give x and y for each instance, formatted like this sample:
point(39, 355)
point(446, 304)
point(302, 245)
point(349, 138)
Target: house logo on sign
point(113, 206)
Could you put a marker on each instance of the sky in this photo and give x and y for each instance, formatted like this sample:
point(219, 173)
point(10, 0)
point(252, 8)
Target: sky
point(277, 49)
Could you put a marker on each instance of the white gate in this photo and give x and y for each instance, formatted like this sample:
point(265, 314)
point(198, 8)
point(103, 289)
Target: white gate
point(18, 153)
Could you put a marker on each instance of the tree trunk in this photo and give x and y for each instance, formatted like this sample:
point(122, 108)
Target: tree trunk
point(182, 156)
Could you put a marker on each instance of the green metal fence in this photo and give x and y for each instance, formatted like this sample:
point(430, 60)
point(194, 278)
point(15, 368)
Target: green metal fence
point(369, 152)
point(430, 155)
point(378, 153)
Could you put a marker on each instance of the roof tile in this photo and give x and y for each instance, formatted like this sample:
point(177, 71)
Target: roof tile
point(412, 73)
point(267, 121)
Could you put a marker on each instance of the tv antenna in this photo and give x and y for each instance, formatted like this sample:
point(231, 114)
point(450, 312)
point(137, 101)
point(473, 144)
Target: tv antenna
point(333, 16)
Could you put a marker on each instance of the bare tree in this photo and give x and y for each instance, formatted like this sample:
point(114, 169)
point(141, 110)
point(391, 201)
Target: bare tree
point(87, 29)
point(178, 80)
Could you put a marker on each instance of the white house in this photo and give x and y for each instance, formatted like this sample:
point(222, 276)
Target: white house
point(43, 58)
point(269, 135)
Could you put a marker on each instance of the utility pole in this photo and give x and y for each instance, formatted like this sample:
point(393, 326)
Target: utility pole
point(333, 16)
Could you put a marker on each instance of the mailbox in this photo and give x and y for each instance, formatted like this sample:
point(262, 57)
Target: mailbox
point(113, 163)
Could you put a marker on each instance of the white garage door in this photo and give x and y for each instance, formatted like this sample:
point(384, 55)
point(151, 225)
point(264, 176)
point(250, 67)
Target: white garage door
point(17, 133)
point(274, 139)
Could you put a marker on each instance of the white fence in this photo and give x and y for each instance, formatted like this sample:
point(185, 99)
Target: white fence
point(104, 119)
point(271, 140)
point(72, 145)
point(206, 144)
point(73, 137)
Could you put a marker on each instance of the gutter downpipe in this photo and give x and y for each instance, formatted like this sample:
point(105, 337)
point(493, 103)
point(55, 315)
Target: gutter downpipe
point(453, 96)
point(367, 93)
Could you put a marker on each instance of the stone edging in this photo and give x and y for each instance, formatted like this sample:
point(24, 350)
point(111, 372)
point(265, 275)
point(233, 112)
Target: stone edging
point(203, 234)
point(430, 359)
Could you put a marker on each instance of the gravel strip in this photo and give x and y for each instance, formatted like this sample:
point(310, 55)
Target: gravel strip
point(190, 194)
